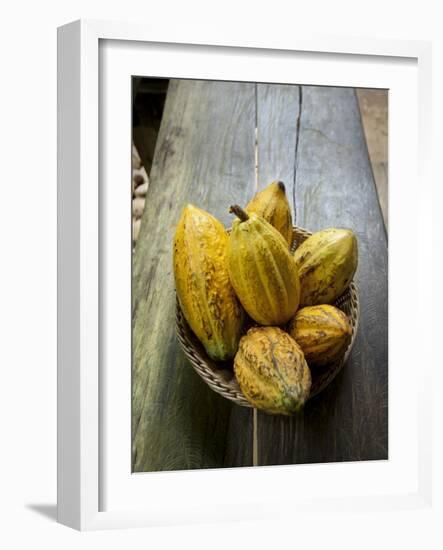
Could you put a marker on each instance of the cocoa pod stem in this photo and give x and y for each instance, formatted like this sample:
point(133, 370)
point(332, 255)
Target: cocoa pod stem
point(239, 212)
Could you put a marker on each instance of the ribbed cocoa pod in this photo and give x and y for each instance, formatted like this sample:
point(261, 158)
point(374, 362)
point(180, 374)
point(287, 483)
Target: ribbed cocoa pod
point(271, 371)
point(262, 270)
point(205, 293)
point(272, 205)
point(326, 262)
point(323, 332)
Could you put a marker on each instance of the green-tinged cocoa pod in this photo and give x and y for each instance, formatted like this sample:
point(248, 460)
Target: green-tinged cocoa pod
point(204, 291)
point(262, 270)
point(323, 332)
point(271, 371)
point(272, 205)
point(326, 262)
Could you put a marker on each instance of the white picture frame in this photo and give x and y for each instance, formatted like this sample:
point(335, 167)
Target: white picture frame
point(82, 440)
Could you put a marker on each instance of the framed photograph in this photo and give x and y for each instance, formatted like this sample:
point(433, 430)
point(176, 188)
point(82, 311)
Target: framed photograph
point(238, 230)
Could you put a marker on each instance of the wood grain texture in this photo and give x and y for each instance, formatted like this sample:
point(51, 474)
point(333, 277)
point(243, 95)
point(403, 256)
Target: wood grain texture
point(333, 187)
point(277, 113)
point(374, 114)
point(204, 155)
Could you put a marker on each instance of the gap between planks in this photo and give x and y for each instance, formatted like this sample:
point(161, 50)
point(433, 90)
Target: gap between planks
point(256, 138)
point(254, 411)
point(297, 138)
point(255, 458)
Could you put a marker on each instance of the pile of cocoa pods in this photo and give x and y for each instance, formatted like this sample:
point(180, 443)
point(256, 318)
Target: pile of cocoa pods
point(248, 277)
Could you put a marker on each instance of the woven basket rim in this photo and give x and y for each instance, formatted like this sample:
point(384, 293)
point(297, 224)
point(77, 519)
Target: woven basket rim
point(220, 376)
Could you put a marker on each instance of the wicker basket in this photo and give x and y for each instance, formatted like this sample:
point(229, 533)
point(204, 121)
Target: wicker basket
point(220, 376)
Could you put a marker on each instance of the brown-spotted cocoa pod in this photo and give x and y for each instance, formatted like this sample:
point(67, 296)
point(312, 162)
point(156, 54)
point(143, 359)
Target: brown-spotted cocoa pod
point(323, 332)
point(204, 290)
point(326, 262)
point(271, 371)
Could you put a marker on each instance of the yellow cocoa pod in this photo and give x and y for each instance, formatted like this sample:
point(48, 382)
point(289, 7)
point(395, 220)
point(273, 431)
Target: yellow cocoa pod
point(323, 332)
point(326, 262)
point(262, 270)
point(205, 293)
point(272, 205)
point(271, 371)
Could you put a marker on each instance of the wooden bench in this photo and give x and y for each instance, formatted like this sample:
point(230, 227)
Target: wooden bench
point(218, 143)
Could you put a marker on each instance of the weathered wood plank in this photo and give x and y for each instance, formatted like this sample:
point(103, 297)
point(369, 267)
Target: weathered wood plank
point(277, 113)
point(374, 113)
point(205, 155)
point(334, 187)
point(239, 451)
